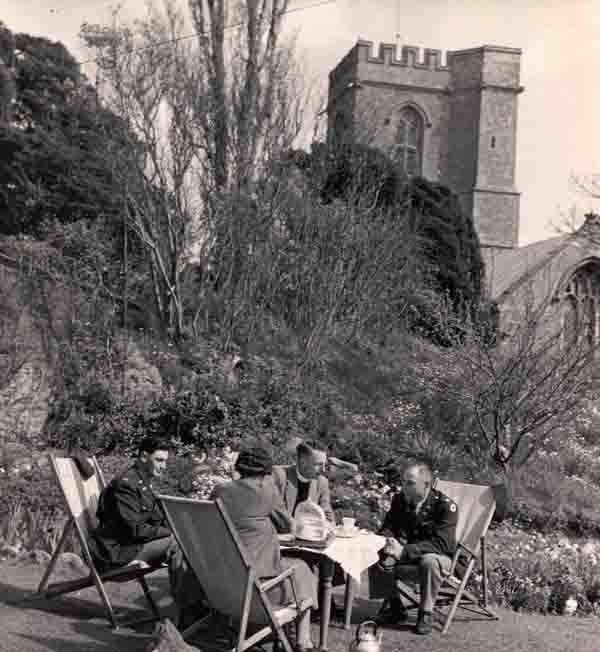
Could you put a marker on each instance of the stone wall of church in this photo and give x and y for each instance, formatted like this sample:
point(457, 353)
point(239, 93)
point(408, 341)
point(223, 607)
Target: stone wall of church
point(469, 108)
point(379, 108)
point(381, 85)
point(497, 140)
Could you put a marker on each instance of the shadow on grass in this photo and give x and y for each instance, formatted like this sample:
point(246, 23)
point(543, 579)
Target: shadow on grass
point(97, 640)
point(71, 605)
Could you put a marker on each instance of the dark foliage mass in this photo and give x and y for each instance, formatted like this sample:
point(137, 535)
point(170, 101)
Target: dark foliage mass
point(449, 244)
point(57, 147)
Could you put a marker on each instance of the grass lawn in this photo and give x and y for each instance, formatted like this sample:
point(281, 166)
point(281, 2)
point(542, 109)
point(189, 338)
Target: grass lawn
point(75, 624)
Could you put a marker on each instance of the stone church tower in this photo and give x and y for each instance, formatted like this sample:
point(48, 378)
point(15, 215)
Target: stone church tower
point(454, 123)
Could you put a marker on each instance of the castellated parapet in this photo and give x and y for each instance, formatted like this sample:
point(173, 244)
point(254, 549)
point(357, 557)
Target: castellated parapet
point(467, 106)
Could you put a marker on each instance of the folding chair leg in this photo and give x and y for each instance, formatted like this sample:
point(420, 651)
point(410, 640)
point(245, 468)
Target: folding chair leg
point(408, 593)
point(52, 564)
point(458, 596)
point(281, 636)
point(106, 602)
point(484, 577)
point(149, 597)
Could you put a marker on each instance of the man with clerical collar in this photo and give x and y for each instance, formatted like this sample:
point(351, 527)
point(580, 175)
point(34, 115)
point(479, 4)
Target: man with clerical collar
point(305, 479)
point(421, 538)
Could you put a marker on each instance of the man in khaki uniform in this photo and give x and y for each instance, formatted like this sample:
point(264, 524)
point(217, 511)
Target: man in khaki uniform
point(421, 531)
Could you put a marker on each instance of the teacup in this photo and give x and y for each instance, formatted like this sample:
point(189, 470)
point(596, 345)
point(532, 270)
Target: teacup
point(348, 525)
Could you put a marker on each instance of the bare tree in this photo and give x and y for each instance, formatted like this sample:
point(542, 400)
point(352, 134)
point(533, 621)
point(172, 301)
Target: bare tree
point(506, 396)
point(210, 110)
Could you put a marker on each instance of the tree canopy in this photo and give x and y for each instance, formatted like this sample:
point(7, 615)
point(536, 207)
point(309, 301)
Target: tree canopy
point(57, 144)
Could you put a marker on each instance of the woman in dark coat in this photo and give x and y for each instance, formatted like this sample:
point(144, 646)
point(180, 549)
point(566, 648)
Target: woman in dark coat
point(257, 510)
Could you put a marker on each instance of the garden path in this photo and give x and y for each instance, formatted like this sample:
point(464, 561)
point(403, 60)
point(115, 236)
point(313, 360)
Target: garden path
point(75, 624)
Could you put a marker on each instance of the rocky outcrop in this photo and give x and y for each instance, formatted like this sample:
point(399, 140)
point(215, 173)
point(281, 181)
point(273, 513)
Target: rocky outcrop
point(24, 365)
point(142, 378)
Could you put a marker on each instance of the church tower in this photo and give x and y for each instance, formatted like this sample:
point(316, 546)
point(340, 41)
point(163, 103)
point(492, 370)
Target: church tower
point(454, 123)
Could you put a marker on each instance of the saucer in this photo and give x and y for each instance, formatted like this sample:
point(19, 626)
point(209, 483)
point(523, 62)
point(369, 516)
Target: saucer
point(346, 534)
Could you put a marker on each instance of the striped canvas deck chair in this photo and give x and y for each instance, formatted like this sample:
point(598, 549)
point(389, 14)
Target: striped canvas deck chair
point(476, 505)
point(81, 500)
point(214, 550)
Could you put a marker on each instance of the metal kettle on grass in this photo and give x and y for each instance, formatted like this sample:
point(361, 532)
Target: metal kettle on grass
point(367, 639)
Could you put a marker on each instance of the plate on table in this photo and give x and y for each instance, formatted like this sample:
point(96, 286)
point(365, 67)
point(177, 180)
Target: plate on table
point(286, 539)
point(318, 545)
point(346, 534)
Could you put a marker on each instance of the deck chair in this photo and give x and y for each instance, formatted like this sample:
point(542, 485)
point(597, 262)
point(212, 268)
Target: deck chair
point(214, 550)
point(476, 505)
point(81, 500)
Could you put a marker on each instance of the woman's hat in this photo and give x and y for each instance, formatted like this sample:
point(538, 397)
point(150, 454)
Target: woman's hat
point(254, 460)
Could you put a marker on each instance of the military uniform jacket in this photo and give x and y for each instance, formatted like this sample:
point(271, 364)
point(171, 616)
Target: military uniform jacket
point(129, 516)
point(430, 530)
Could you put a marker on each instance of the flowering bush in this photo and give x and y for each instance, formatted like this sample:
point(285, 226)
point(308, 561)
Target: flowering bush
point(544, 573)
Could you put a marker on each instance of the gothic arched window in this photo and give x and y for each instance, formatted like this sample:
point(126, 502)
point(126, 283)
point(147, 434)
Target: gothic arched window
point(409, 141)
point(581, 306)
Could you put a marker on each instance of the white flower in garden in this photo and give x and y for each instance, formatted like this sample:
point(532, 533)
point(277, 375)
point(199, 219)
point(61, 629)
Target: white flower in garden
point(570, 606)
point(588, 549)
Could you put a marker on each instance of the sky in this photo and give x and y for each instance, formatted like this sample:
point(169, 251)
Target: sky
point(558, 135)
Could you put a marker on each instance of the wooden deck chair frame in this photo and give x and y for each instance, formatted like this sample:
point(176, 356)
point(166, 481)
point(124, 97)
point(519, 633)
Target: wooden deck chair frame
point(252, 587)
point(476, 506)
point(80, 520)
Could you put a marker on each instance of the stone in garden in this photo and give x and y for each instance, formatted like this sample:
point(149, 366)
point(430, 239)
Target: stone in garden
point(40, 557)
point(588, 549)
point(142, 377)
point(71, 559)
point(570, 607)
point(9, 552)
point(168, 639)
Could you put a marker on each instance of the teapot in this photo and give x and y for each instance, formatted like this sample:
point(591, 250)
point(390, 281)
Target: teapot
point(367, 639)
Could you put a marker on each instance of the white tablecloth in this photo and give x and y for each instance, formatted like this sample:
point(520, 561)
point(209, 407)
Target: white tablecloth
point(354, 555)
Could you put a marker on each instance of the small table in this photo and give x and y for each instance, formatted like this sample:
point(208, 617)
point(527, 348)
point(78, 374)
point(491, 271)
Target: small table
point(354, 555)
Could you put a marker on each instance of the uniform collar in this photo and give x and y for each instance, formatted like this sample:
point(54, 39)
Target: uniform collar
point(142, 471)
point(419, 506)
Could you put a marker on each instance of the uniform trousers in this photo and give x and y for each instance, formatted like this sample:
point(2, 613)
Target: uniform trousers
point(429, 573)
point(184, 586)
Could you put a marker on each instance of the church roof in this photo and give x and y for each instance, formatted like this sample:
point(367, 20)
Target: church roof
point(544, 266)
point(506, 268)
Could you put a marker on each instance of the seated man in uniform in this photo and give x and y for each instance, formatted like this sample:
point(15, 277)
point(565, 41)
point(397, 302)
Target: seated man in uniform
point(132, 525)
point(421, 531)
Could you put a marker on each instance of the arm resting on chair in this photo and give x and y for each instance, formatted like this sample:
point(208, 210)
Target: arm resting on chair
point(459, 547)
point(269, 584)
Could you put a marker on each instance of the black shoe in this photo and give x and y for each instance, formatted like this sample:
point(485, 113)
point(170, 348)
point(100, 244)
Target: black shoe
point(424, 624)
point(395, 614)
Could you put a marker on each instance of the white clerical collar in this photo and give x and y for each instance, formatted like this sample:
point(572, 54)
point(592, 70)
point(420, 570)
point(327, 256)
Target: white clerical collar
point(300, 476)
